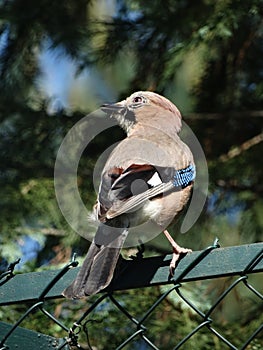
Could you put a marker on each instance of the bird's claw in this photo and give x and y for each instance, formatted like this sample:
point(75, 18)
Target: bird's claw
point(177, 254)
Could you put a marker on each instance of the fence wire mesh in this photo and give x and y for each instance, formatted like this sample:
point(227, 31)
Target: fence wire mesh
point(135, 331)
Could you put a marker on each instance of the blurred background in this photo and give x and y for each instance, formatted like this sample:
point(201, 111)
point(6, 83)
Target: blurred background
point(61, 60)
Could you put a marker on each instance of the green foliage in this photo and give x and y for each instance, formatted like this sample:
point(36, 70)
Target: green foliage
point(206, 56)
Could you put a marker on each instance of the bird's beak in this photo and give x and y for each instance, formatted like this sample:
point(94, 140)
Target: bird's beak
point(113, 108)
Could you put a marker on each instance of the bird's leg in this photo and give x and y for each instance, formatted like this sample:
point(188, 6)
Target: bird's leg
point(139, 254)
point(177, 251)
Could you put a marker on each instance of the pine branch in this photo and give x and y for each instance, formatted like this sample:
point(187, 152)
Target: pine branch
point(236, 151)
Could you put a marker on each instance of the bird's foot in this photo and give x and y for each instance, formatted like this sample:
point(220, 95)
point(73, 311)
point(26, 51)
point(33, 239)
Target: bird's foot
point(139, 254)
point(177, 253)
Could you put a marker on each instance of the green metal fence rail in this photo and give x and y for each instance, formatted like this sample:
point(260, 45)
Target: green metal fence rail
point(213, 262)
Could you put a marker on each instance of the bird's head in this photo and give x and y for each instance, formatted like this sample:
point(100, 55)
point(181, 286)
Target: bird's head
point(145, 108)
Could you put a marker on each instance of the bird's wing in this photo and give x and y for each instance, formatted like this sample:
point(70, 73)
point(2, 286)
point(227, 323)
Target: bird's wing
point(124, 190)
point(136, 201)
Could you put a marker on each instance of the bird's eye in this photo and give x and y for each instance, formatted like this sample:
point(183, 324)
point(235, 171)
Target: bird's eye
point(137, 99)
point(137, 102)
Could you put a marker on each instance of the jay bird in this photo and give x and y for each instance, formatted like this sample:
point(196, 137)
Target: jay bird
point(148, 177)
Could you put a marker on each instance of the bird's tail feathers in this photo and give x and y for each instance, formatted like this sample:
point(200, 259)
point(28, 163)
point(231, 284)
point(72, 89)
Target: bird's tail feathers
point(98, 267)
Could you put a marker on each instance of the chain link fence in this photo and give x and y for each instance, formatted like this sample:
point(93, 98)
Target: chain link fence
point(135, 331)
